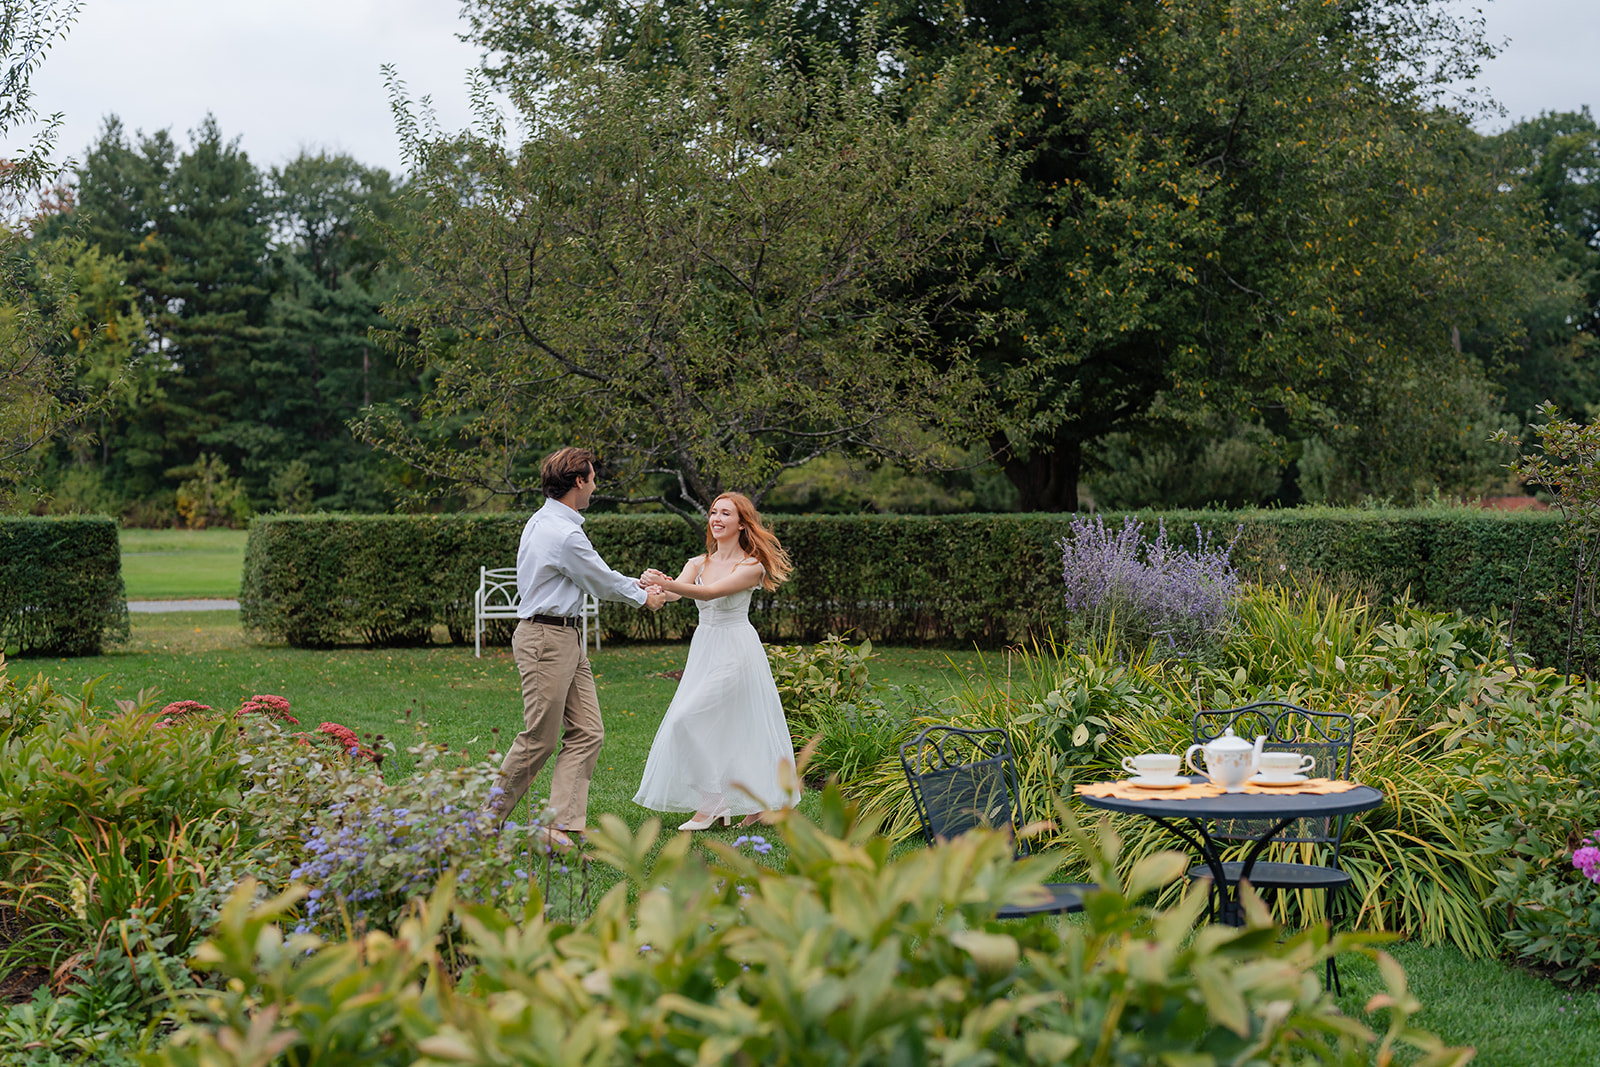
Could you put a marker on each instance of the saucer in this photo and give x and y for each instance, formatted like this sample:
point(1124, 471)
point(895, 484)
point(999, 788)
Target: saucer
point(1159, 781)
point(1292, 779)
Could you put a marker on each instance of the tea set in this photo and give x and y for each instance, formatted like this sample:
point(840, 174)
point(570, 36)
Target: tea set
point(1230, 762)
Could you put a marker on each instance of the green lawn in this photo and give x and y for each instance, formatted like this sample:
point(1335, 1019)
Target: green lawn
point(1514, 1018)
point(182, 564)
point(205, 656)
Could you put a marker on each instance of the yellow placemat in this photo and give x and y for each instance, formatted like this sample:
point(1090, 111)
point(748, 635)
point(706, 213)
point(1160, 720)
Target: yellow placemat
point(1129, 791)
point(1310, 785)
point(1126, 790)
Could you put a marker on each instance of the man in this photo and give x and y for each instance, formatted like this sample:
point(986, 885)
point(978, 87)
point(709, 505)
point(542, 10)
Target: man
point(556, 566)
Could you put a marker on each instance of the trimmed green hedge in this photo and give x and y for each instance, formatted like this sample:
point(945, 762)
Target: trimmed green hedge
point(959, 580)
point(61, 590)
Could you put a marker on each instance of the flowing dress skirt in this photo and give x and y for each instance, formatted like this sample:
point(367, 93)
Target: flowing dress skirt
point(723, 745)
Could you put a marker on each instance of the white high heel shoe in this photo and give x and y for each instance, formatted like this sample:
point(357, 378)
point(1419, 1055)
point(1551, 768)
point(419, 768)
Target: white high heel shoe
point(705, 822)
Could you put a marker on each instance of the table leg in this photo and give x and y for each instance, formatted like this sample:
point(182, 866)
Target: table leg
point(1229, 911)
point(1226, 908)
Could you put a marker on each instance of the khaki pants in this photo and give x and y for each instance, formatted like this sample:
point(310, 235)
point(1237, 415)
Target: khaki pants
point(558, 703)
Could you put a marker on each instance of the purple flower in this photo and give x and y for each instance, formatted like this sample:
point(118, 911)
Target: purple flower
point(1174, 594)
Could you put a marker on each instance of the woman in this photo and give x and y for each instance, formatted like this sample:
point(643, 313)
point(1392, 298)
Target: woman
point(723, 748)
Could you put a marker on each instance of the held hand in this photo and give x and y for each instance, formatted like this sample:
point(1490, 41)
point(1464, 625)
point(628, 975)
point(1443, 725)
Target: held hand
point(655, 596)
point(654, 577)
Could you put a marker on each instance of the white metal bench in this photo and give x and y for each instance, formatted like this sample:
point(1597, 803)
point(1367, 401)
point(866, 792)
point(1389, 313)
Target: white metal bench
point(497, 598)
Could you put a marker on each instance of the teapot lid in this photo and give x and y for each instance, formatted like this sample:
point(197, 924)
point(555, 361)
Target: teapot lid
point(1228, 742)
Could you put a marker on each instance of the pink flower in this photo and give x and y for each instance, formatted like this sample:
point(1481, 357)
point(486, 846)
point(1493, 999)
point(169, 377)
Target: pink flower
point(270, 705)
point(346, 739)
point(183, 707)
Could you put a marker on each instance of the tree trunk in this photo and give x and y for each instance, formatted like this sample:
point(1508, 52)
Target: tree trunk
point(1047, 478)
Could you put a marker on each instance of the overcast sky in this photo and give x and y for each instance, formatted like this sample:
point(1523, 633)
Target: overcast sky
point(290, 74)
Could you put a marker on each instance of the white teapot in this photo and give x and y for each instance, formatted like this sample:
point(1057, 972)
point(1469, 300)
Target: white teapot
point(1230, 760)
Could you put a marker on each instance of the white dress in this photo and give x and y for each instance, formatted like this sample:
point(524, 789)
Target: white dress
point(723, 746)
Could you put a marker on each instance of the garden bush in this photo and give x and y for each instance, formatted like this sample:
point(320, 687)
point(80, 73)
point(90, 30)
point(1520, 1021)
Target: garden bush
point(372, 847)
point(61, 591)
point(961, 580)
point(847, 955)
point(123, 830)
point(826, 673)
point(1156, 592)
point(1533, 768)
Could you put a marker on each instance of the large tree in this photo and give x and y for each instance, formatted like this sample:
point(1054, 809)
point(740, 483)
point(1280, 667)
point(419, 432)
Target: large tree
point(713, 273)
point(1248, 210)
point(39, 360)
point(193, 228)
point(1556, 160)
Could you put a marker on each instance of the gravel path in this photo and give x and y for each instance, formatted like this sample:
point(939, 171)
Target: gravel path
point(151, 607)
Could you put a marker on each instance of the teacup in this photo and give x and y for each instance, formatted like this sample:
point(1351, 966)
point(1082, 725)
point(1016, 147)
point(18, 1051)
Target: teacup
point(1152, 764)
point(1284, 764)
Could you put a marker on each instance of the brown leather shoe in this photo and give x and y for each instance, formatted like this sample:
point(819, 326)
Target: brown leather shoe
point(552, 839)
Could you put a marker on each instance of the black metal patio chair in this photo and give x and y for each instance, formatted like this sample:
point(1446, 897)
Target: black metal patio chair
point(965, 779)
point(1329, 738)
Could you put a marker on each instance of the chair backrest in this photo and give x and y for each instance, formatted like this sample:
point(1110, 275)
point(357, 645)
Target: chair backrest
point(497, 592)
point(960, 780)
point(1326, 736)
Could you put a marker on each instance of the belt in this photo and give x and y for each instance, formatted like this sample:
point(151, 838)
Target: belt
point(556, 620)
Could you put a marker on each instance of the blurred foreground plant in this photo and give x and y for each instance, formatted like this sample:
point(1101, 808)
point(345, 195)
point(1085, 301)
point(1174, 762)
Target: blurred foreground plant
point(845, 955)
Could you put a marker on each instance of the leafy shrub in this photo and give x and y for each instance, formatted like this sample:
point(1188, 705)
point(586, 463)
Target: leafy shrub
point(119, 838)
point(1534, 766)
point(51, 1031)
point(23, 707)
point(209, 495)
point(848, 954)
point(61, 591)
point(376, 846)
point(1152, 592)
point(828, 673)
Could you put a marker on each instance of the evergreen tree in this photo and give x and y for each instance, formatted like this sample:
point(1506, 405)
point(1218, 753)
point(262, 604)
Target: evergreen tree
point(319, 367)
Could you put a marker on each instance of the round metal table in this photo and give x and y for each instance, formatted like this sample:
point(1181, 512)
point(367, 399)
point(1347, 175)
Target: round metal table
point(1283, 808)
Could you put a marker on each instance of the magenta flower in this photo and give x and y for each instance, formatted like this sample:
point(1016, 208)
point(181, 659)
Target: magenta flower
point(1587, 860)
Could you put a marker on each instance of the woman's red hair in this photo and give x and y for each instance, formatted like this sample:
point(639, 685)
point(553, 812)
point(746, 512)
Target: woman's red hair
point(756, 540)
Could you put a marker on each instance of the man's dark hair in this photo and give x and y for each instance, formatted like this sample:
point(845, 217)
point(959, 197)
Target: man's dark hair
point(562, 468)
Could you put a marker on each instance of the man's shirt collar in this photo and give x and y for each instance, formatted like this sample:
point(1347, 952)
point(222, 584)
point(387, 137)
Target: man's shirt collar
point(562, 511)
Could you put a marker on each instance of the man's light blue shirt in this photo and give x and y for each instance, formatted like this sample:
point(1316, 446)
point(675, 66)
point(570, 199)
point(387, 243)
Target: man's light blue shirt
point(556, 565)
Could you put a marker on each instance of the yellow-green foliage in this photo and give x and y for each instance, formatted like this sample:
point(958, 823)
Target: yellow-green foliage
point(845, 956)
point(829, 672)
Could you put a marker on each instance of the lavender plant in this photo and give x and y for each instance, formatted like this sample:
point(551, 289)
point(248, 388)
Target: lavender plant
point(1152, 592)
